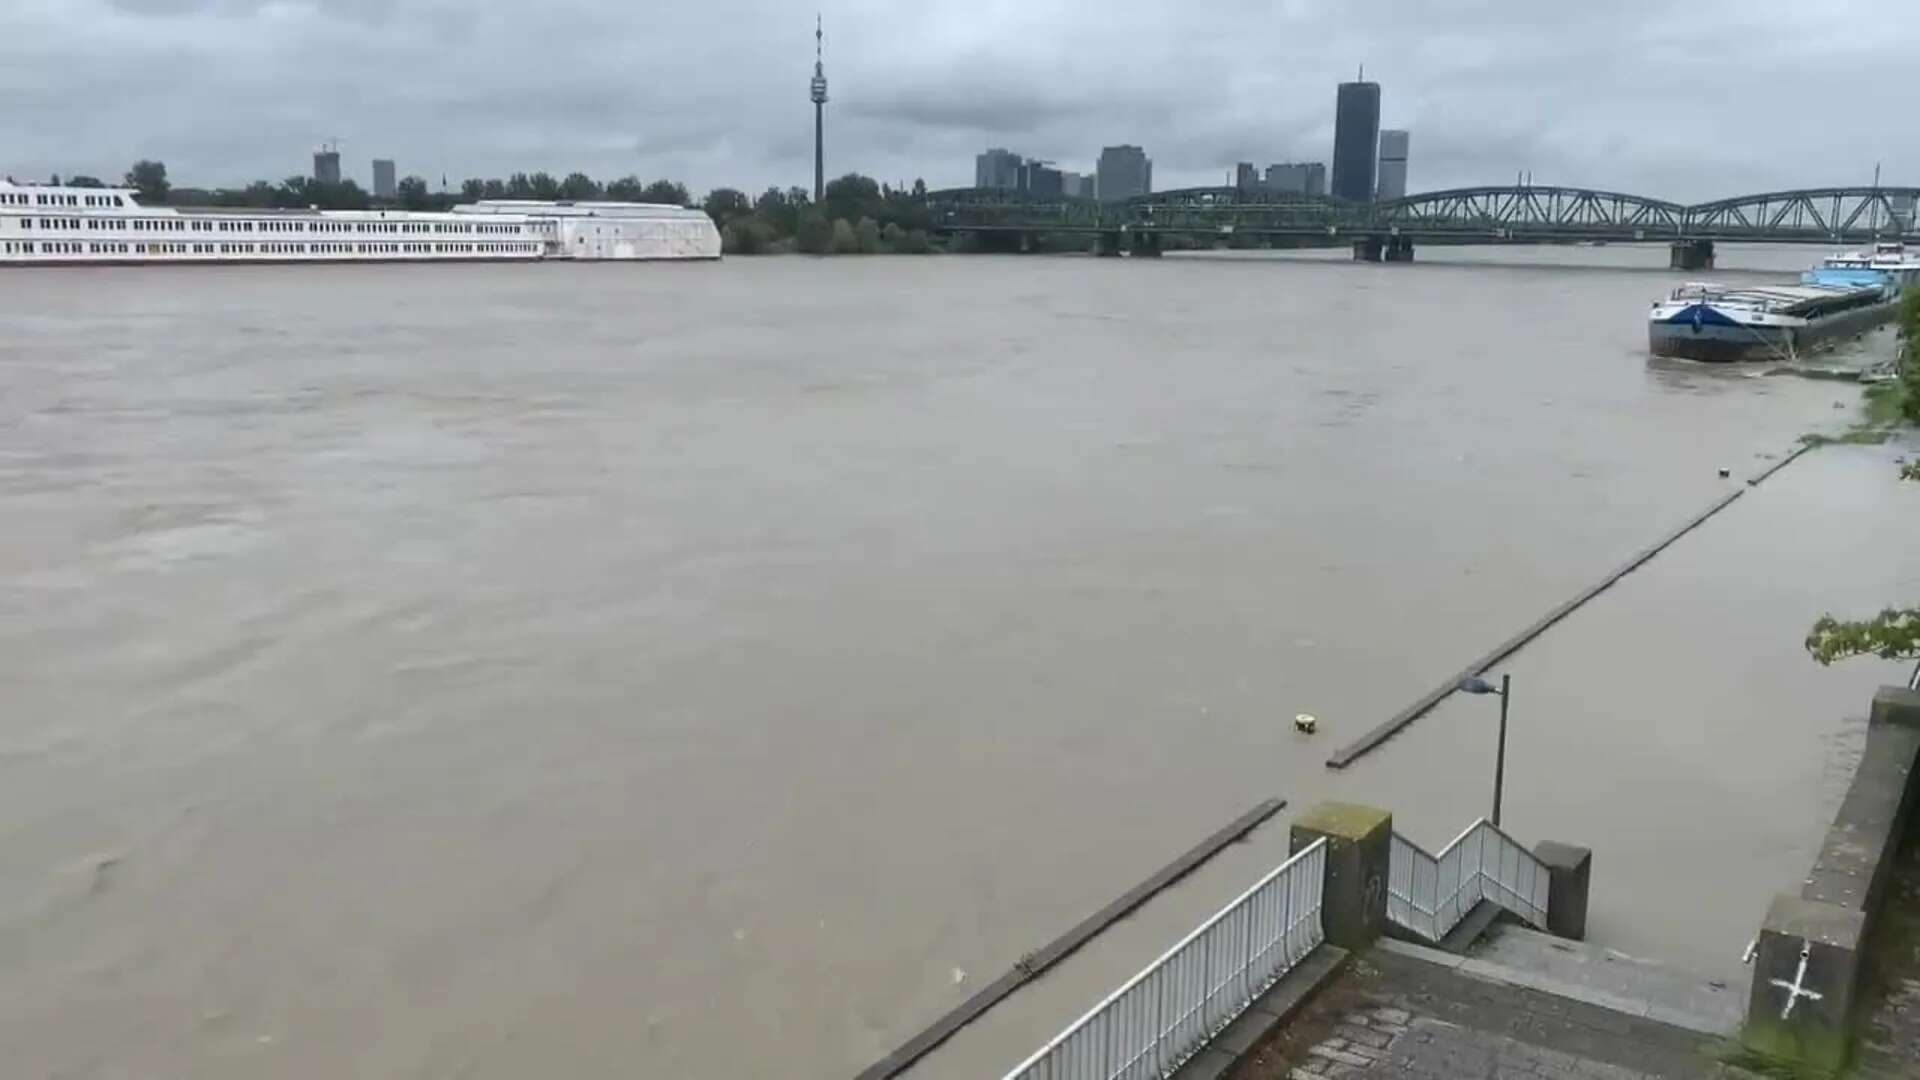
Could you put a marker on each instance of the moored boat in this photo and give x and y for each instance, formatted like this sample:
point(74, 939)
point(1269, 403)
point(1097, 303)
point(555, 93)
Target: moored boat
point(67, 226)
point(1704, 321)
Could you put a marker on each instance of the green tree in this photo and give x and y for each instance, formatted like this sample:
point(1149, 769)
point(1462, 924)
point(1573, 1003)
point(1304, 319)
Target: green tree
point(261, 194)
point(579, 187)
point(919, 188)
point(814, 234)
point(853, 197)
point(473, 190)
point(149, 179)
point(725, 204)
point(866, 237)
point(626, 189)
point(746, 236)
point(844, 241)
point(413, 194)
point(494, 189)
point(85, 182)
point(544, 186)
point(917, 243)
point(668, 192)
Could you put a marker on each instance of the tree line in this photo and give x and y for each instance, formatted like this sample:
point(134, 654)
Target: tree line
point(857, 214)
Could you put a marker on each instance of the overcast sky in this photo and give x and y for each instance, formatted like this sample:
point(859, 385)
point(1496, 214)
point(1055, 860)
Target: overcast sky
point(1685, 101)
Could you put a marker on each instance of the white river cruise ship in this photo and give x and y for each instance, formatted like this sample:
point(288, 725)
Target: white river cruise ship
point(69, 226)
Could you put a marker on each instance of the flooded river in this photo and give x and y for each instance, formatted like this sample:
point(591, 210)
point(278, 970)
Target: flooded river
point(721, 670)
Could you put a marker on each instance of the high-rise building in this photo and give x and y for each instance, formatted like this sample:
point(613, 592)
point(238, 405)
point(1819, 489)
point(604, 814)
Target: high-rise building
point(1356, 140)
point(1041, 178)
point(997, 168)
point(1123, 172)
point(817, 91)
point(1246, 178)
point(1070, 183)
point(384, 184)
point(1297, 178)
point(326, 164)
point(1392, 182)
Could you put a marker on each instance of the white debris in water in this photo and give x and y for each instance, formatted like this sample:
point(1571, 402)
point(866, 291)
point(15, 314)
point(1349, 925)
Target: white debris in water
point(959, 976)
point(739, 935)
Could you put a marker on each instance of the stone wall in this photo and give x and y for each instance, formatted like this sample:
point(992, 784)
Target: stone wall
point(1807, 965)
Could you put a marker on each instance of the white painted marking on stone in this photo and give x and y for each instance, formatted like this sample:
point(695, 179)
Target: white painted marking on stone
point(1796, 989)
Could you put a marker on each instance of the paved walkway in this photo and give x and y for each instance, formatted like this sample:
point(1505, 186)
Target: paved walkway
point(1393, 1015)
point(1889, 1035)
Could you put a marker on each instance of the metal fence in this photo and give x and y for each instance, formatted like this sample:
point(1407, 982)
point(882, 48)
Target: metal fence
point(1167, 1013)
point(1430, 894)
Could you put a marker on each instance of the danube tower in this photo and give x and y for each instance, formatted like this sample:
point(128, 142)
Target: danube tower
point(819, 96)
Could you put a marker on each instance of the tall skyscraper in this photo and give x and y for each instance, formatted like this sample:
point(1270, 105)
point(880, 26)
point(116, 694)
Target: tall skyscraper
point(1123, 172)
point(997, 168)
point(385, 186)
point(819, 95)
point(326, 164)
point(1393, 164)
point(1246, 178)
point(1356, 140)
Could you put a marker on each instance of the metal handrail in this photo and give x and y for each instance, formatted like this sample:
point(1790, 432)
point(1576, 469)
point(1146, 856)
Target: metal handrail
point(1169, 1011)
point(1429, 894)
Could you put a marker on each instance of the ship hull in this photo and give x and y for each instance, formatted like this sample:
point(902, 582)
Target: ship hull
point(1732, 341)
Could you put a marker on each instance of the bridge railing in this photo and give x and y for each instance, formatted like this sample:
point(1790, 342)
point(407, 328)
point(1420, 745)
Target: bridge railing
point(1172, 1009)
point(1430, 894)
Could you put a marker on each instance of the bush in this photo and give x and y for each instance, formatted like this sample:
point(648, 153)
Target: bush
point(1910, 355)
point(893, 237)
point(916, 243)
point(867, 235)
point(814, 235)
point(844, 242)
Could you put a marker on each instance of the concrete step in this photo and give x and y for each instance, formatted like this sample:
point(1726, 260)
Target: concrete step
point(1597, 975)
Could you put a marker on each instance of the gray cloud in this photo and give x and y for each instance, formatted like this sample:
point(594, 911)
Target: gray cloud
point(1716, 97)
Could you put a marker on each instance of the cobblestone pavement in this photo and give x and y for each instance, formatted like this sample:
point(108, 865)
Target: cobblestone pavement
point(1889, 1036)
point(1396, 1016)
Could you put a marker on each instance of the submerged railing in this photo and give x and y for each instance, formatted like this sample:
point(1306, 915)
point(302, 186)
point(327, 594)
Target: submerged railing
point(1170, 1011)
point(1430, 894)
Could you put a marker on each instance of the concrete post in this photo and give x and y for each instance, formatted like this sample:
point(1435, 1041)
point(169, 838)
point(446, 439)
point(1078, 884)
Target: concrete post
point(1400, 249)
point(1359, 845)
point(1896, 705)
point(1569, 871)
point(1369, 249)
point(1805, 969)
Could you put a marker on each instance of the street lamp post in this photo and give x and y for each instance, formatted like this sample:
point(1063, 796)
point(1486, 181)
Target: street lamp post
point(1477, 685)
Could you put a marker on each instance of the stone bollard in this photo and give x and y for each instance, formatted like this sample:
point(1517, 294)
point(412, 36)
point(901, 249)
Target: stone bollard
point(1359, 845)
point(1805, 970)
point(1570, 870)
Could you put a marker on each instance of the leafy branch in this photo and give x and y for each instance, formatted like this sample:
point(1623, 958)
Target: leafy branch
point(1894, 634)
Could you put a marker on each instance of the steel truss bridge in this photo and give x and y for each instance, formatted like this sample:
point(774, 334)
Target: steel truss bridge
point(1524, 214)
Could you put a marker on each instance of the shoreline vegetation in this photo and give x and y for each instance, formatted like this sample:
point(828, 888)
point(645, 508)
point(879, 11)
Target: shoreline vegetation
point(856, 216)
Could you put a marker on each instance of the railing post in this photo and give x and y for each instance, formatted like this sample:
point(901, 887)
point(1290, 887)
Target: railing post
point(1569, 871)
point(1353, 900)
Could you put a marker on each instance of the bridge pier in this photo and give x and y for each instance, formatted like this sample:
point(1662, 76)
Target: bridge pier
point(1146, 245)
point(1108, 244)
point(1690, 255)
point(1394, 248)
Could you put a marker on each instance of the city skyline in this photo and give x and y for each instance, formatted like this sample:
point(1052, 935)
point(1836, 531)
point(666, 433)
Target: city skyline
point(1566, 95)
